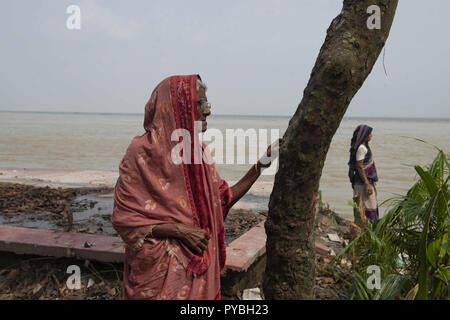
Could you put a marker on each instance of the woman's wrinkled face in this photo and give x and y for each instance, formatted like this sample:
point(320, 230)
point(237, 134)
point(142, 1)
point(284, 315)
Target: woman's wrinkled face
point(202, 111)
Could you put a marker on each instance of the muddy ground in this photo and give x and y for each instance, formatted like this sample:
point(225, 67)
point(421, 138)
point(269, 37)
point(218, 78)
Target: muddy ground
point(83, 210)
point(88, 210)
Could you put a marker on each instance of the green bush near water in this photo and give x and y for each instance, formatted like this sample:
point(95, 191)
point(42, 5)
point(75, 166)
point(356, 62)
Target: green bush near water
point(410, 244)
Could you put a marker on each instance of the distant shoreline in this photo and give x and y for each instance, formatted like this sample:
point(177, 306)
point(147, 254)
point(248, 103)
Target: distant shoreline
point(227, 115)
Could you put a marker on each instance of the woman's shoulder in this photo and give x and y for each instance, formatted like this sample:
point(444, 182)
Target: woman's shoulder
point(362, 148)
point(361, 152)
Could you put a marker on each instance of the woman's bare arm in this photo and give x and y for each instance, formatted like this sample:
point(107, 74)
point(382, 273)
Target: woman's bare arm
point(362, 174)
point(195, 238)
point(243, 185)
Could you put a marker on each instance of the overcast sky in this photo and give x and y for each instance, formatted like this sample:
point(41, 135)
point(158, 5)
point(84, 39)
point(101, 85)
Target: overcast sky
point(255, 55)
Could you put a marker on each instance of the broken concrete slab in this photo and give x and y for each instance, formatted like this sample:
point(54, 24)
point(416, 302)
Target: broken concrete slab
point(334, 237)
point(242, 252)
point(322, 249)
point(60, 244)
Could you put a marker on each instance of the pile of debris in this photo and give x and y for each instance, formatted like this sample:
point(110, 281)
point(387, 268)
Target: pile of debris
point(17, 198)
point(49, 279)
point(332, 234)
point(84, 210)
point(20, 198)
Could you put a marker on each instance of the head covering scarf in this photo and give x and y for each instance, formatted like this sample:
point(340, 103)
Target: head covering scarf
point(152, 189)
point(359, 136)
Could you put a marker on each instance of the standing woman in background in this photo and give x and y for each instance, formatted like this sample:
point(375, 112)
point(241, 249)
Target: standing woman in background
point(363, 174)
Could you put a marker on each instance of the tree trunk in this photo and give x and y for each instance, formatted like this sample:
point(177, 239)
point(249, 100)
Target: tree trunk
point(344, 62)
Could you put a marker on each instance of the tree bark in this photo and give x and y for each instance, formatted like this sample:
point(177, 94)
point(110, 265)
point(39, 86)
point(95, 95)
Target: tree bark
point(344, 62)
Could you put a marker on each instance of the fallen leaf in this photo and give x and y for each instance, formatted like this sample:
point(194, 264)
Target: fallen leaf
point(90, 283)
point(25, 266)
point(112, 291)
point(13, 274)
point(328, 280)
point(37, 289)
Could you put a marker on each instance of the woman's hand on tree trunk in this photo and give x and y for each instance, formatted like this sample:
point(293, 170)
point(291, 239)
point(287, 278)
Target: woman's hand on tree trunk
point(264, 161)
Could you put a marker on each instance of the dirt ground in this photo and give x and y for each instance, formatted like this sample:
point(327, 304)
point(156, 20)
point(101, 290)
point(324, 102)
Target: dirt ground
point(83, 210)
point(44, 278)
point(88, 210)
point(333, 285)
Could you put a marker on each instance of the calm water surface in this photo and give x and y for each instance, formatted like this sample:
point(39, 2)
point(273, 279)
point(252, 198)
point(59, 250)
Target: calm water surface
point(98, 142)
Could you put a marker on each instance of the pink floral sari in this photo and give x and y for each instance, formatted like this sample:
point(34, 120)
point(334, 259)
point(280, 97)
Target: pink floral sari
point(152, 189)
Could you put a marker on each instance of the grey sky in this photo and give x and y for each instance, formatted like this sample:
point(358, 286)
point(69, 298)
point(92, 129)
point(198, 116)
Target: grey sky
point(255, 55)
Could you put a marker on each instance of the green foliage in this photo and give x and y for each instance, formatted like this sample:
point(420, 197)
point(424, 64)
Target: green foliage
point(410, 243)
point(325, 207)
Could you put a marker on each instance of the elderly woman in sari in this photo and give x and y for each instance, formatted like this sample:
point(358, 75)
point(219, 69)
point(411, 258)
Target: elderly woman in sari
point(363, 174)
point(171, 215)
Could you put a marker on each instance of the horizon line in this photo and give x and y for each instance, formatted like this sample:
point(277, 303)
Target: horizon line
point(220, 115)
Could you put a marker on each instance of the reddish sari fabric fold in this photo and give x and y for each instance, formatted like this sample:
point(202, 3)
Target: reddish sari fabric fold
point(152, 189)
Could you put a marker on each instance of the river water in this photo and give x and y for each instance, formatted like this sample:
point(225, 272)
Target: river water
point(98, 142)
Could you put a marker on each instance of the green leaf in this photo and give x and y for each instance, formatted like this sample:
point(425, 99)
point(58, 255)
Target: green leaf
point(391, 287)
point(444, 274)
point(353, 205)
point(422, 293)
point(436, 251)
point(428, 180)
point(444, 248)
point(361, 287)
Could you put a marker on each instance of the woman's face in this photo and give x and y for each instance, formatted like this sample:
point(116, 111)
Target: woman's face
point(369, 137)
point(202, 111)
